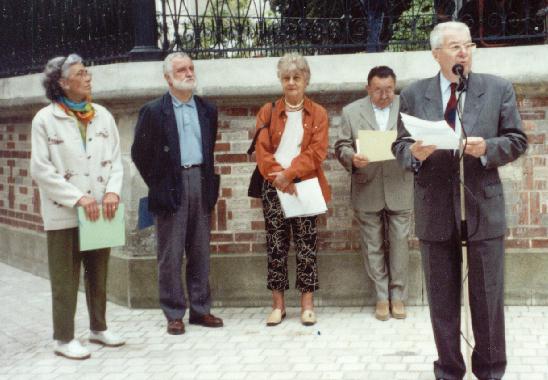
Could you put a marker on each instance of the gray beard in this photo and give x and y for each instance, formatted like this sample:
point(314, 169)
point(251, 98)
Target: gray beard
point(181, 85)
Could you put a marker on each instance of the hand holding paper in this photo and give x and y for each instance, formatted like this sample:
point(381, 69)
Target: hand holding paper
point(436, 133)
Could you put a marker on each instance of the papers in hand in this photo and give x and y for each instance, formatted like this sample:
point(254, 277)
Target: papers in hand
point(376, 145)
point(309, 200)
point(437, 133)
point(102, 233)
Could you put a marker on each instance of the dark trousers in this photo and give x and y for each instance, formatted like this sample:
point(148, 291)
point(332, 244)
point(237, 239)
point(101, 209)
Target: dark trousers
point(278, 235)
point(64, 261)
point(442, 270)
point(185, 233)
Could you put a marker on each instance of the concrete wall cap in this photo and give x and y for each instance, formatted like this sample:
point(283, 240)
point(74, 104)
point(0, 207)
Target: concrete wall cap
point(257, 76)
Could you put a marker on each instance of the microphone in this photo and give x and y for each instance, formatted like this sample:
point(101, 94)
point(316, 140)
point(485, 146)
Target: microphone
point(458, 70)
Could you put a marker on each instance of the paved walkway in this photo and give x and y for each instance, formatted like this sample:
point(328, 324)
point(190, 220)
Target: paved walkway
point(347, 343)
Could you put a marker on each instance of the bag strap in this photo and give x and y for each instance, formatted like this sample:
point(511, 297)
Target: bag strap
point(252, 146)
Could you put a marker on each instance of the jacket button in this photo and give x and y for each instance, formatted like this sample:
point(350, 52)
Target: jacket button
point(86, 174)
point(89, 157)
point(90, 139)
point(89, 191)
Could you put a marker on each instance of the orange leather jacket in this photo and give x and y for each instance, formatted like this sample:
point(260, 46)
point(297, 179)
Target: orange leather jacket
point(308, 164)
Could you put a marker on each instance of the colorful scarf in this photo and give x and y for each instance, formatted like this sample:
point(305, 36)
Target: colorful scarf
point(83, 111)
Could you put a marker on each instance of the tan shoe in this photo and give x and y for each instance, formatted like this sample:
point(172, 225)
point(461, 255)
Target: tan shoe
point(398, 310)
point(275, 318)
point(308, 317)
point(382, 312)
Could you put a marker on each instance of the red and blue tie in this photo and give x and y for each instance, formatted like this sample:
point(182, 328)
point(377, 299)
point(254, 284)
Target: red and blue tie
point(451, 109)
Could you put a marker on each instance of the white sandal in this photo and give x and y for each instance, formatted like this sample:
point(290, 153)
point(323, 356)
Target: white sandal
point(308, 318)
point(276, 317)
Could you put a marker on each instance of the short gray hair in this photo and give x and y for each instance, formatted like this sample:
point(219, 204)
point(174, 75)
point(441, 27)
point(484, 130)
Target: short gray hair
point(168, 61)
point(438, 33)
point(293, 62)
point(55, 69)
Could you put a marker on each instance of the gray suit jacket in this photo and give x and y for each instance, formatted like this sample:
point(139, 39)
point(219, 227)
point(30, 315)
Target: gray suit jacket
point(381, 184)
point(490, 111)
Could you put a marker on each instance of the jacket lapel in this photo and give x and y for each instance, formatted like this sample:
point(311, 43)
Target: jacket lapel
point(204, 126)
point(170, 127)
point(432, 107)
point(368, 115)
point(474, 103)
point(394, 111)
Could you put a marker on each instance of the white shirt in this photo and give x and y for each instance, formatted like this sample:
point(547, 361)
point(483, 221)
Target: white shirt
point(292, 138)
point(381, 116)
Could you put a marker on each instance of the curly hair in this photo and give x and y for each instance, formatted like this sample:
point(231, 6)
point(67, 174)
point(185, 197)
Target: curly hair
point(55, 69)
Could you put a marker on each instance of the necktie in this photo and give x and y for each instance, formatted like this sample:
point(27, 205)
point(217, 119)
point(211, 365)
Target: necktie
point(451, 109)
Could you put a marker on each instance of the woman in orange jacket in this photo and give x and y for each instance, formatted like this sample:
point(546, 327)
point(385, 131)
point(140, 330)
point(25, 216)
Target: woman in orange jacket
point(292, 150)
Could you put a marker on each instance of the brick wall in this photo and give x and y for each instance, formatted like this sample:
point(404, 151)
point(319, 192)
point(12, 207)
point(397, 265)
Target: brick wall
point(19, 199)
point(237, 223)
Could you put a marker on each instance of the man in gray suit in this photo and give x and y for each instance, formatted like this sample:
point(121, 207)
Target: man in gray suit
point(494, 137)
point(381, 191)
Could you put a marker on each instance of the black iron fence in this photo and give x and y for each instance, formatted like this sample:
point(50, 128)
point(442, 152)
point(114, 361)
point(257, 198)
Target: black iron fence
point(104, 31)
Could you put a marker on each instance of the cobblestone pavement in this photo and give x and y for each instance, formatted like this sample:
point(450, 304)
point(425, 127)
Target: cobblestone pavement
point(346, 343)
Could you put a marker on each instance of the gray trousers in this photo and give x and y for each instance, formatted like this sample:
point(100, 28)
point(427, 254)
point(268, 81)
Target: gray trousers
point(187, 232)
point(442, 263)
point(389, 275)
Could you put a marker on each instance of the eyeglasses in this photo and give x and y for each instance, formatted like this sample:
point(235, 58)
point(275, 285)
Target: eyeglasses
point(382, 92)
point(455, 48)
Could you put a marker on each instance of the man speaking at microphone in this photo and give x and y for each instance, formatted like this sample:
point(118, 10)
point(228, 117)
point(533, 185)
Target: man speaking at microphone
point(491, 125)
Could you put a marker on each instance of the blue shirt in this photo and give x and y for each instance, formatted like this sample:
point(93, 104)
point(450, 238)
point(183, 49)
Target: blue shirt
point(190, 135)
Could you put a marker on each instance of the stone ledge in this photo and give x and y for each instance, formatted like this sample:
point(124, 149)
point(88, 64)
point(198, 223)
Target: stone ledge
point(252, 77)
point(239, 280)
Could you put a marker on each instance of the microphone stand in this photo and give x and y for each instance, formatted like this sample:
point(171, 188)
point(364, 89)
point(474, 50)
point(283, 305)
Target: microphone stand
point(462, 87)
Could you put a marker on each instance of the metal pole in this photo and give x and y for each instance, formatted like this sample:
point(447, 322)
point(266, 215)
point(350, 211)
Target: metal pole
point(464, 250)
point(146, 35)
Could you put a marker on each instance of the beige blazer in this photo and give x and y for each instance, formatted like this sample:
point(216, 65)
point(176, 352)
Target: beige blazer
point(381, 184)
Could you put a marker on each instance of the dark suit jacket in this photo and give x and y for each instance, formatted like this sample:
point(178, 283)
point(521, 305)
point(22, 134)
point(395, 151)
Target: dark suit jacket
point(156, 153)
point(490, 111)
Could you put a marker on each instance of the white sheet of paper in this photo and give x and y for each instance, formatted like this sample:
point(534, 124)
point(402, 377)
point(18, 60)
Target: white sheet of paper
point(437, 133)
point(309, 200)
point(376, 145)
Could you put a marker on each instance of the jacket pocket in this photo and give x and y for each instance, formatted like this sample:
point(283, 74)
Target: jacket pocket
point(493, 190)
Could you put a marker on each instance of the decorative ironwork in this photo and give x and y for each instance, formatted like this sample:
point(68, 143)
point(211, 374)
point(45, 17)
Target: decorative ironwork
point(247, 28)
point(32, 31)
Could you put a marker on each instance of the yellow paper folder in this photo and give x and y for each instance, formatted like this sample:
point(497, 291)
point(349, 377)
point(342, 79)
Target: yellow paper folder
point(102, 233)
point(376, 145)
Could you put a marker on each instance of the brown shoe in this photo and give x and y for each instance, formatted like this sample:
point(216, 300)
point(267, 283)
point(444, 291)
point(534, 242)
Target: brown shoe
point(382, 312)
point(175, 327)
point(398, 310)
point(208, 320)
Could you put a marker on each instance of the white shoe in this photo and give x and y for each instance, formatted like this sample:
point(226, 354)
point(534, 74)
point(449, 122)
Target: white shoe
point(106, 338)
point(71, 350)
point(308, 317)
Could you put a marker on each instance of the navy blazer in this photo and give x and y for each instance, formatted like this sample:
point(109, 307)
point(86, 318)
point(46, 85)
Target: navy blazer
point(490, 111)
point(156, 153)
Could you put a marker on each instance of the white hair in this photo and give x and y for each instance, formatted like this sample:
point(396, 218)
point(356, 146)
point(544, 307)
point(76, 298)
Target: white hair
point(168, 61)
point(293, 62)
point(438, 33)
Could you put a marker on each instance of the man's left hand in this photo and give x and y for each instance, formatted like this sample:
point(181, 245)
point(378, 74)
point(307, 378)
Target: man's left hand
point(475, 146)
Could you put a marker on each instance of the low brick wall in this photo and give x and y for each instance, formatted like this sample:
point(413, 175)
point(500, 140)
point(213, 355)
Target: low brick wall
point(237, 246)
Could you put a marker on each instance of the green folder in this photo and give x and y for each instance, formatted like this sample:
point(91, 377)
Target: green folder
point(102, 233)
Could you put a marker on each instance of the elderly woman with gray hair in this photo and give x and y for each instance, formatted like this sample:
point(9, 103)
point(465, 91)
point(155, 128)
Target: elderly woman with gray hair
point(76, 162)
point(292, 150)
